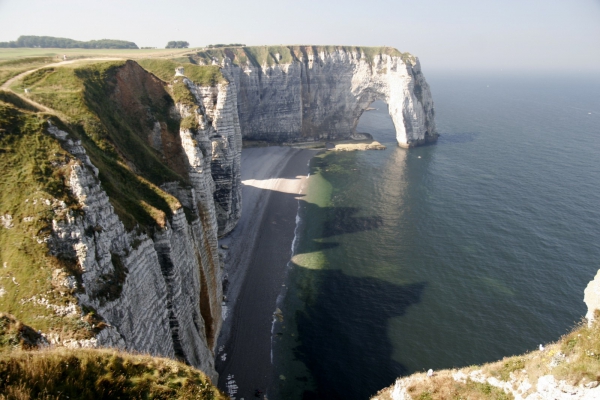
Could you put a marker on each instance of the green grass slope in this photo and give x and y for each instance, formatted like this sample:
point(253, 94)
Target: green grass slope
point(99, 374)
point(29, 370)
point(12, 68)
point(204, 75)
point(115, 135)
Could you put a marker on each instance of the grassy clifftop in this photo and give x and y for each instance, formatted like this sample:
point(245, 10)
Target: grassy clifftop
point(271, 55)
point(204, 75)
point(30, 372)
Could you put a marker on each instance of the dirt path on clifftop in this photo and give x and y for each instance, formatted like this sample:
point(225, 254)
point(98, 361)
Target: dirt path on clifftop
point(6, 85)
point(259, 251)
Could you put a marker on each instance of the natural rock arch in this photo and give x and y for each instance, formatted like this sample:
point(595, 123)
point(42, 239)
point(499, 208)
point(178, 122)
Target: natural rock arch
point(320, 95)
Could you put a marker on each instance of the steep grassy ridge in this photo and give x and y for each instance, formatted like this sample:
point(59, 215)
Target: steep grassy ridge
point(99, 374)
point(119, 123)
point(11, 68)
point(33, 192)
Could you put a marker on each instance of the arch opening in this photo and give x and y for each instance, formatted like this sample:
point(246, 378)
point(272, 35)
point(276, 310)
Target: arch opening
point(376, 121)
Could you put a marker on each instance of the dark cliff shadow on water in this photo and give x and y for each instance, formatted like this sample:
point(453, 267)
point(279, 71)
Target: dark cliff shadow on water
point(343, 332)
point(335, 221)
point(342, 220)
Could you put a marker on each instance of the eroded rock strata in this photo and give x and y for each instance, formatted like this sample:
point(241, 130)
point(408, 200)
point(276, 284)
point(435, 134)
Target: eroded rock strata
point(159, 292)
point(301, 93)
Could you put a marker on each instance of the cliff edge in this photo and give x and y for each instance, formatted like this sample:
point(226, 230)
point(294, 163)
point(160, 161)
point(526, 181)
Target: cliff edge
point(567, 369)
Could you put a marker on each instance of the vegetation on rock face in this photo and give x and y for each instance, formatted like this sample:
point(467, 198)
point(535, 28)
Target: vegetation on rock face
point(115, 137)
point(33, 192)
point(272, 55)
point(56, 42)
point(177, 44)
point(203, 75)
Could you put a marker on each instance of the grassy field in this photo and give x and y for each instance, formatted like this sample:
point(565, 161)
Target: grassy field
point(11, 68)
point(57, 54)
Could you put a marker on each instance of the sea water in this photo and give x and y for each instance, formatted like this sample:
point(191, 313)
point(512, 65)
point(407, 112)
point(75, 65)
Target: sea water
point(458, 253)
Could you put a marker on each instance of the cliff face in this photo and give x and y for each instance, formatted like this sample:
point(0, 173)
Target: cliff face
point(592, 298)
point(157, 289)
point(288, 94)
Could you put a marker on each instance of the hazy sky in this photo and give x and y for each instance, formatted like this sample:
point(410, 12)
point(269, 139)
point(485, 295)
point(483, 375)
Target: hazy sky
point(458, 34)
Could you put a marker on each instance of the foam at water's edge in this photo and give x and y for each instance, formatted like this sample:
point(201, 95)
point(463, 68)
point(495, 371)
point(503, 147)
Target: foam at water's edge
point(281, 295)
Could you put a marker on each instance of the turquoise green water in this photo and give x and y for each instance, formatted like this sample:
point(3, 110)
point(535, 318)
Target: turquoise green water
point(448, 255)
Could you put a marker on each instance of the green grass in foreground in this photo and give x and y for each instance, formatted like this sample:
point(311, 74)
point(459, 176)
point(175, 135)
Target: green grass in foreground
point(99, 374)
point(574, 358)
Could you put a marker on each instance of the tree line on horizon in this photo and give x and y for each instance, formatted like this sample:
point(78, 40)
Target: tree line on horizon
point(177, 44)
point(65, 43)
point(216, 46)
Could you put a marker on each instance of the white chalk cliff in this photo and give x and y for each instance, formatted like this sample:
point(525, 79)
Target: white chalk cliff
point(160, 294)
point(302, 93)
